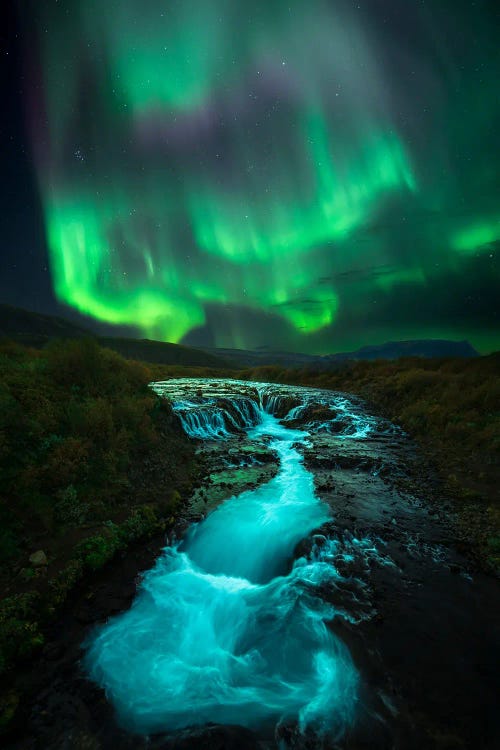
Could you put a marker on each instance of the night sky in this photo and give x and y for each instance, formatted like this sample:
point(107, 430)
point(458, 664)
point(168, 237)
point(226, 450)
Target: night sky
point(303, 175)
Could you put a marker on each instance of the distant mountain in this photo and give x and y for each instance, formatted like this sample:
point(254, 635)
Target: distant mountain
point(418, 348)
point(35, 329)
point(389, 350)
point(32, 328)
point(162, 353)
point(258, 358)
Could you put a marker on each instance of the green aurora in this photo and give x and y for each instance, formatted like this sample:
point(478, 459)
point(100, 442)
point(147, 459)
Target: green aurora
point(310, 176)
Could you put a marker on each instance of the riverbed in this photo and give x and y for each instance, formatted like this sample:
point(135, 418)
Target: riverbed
point(309, 596)
point(324, 605)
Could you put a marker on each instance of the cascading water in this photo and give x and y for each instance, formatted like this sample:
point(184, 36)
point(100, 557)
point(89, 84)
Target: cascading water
point(226, 628)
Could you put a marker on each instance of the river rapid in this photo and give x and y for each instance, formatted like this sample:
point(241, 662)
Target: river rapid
point(322, 606)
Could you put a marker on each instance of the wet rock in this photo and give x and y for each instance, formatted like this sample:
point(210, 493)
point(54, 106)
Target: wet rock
point(211, 737)
point(53, 651)
point(283, 405)
point(38, 558)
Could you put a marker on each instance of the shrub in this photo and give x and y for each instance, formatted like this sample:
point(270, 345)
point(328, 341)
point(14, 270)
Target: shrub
point(69, 509)
point(19, 630)
point(97, 550)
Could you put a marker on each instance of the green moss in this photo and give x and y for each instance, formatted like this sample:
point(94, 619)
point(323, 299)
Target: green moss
point(20, 633)
point(493, 544)
point(8, 706)
point(22, 616)
point(143, 522)
point(97, 550)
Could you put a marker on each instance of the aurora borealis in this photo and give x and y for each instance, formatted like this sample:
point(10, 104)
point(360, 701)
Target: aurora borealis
point(311, 176)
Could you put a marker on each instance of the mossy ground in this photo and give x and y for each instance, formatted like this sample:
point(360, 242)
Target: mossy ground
point(90, 461)
point(451, 407)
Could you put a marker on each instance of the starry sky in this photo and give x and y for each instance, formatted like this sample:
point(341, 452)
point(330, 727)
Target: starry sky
point(308, 176)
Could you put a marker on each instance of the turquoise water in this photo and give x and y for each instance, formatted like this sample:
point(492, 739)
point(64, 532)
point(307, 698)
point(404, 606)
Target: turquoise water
point(226, 628)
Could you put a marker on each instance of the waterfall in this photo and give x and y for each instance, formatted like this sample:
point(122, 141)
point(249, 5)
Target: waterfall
point(202, 423)
point(218, 413)
point(226, 627)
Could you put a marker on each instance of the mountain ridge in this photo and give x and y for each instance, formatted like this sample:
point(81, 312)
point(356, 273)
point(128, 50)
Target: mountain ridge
point(37, 329)
point(428, 348)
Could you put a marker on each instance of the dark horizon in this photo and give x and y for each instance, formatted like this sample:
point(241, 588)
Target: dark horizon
point(25, 330)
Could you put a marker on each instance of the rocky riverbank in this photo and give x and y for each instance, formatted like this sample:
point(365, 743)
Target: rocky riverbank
point(419, 621)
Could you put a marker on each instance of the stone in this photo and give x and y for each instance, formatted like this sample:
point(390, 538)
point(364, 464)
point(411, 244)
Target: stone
point(38, 558)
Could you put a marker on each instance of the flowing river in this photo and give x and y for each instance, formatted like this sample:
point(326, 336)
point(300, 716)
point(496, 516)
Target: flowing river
point(259, 615)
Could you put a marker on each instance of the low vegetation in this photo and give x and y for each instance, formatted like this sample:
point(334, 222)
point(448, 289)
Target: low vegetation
point(90, 461)
point(452, 409)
